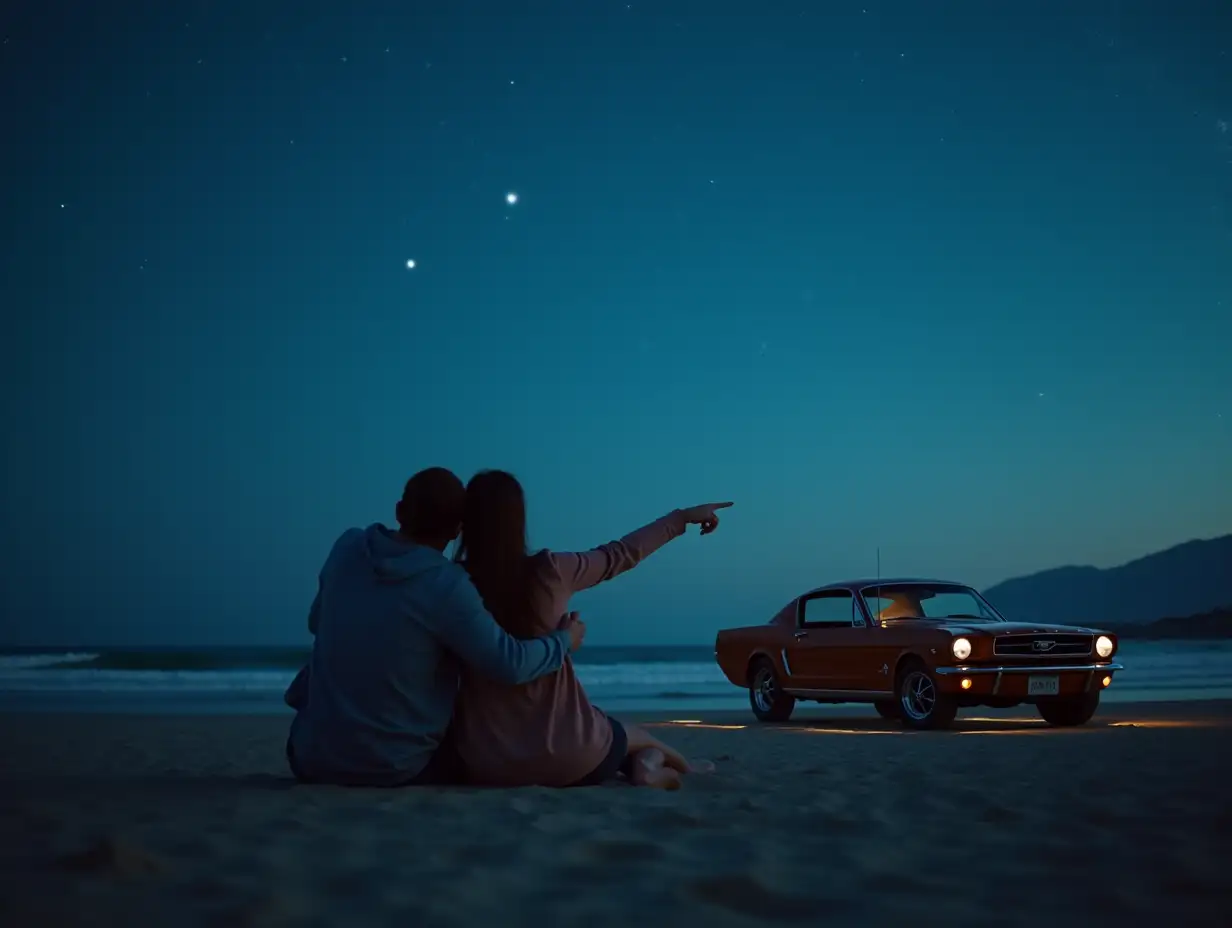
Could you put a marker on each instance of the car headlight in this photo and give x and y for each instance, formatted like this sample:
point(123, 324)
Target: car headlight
point(1104, 646)
point(961, 648)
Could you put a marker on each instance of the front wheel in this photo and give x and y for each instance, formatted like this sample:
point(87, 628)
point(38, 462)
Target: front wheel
point(921, 703)
point(766, 697)
point(1066, 711)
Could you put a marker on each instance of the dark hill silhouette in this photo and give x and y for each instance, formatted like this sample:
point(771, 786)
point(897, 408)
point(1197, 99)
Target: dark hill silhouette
point(1191, 578)
point(1216, 624)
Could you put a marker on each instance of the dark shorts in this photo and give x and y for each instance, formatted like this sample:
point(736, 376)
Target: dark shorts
point(444, 769)
point(616, 762)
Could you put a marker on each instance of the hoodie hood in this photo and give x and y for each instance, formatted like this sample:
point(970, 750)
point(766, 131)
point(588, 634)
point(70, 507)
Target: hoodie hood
point(396, 560)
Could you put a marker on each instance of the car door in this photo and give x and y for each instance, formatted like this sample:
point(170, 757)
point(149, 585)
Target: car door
point(826, 649)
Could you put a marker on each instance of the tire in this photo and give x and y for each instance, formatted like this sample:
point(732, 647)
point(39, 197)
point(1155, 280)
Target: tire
point(921, 705)
point(766, 696)
point(1067, 711)
point(888, 709)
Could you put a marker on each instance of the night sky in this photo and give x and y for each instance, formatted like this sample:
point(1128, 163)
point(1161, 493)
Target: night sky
point(951, 279)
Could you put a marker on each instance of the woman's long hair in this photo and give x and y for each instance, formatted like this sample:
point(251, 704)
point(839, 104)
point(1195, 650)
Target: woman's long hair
point(492, 548)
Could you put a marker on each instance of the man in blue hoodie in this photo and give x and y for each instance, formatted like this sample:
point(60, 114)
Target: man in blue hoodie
point(392, 619)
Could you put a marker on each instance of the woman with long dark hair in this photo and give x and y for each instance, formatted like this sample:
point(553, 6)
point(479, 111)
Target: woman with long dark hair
point(546, 733)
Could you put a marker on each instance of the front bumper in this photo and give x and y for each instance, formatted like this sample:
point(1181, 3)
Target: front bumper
point(1032, 668)
point(1010, 680)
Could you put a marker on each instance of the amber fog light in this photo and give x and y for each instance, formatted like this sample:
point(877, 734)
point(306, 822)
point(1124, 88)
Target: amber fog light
point(961, 649)
point(1104, 646)
point(966, 683)
point(1107, 681)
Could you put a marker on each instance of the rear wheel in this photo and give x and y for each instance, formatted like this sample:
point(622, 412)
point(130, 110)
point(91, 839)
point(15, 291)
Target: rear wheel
point(921, 703)
point(766, 696)
point(1066, 711)
point(888, 709)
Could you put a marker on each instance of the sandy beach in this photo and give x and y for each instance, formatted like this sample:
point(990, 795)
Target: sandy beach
point(837, 818)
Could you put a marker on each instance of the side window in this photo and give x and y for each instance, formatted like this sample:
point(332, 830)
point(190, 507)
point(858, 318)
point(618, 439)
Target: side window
point(834, 609)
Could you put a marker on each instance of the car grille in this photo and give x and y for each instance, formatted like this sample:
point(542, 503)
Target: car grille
point(1045, 646)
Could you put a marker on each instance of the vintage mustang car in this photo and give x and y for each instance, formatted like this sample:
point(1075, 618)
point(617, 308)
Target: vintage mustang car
point(918, 650)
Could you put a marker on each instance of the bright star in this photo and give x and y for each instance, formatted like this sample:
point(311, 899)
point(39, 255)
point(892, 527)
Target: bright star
point(410, 264)
point(511, 198)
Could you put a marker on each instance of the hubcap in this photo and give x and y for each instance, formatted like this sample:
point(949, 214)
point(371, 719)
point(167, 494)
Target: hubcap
point(919, 695)
point(763, 690)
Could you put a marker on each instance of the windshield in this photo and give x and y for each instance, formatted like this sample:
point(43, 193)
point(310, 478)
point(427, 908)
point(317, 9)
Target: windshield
point(927, 601)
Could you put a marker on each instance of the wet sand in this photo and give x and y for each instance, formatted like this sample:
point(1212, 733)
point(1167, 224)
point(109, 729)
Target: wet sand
point(836, 818)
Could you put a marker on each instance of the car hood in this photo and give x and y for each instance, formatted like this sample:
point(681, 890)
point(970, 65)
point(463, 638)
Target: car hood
point(965, 627)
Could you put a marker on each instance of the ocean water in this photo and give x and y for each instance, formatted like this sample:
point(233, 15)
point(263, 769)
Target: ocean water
point(616, 678)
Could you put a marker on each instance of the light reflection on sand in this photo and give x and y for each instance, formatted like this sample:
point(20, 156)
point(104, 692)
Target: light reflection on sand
point(1001, 726)
point(1012, 721)
point(1168, 723)
point(846, 731)
point(690, 724)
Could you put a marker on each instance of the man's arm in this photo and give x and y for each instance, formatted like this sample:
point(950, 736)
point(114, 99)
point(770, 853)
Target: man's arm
point(466, 628)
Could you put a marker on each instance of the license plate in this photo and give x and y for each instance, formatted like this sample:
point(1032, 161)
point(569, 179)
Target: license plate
point(1043, 686)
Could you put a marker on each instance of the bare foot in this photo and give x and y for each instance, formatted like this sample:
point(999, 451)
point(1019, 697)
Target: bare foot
point(663, 778)
point(649, 769)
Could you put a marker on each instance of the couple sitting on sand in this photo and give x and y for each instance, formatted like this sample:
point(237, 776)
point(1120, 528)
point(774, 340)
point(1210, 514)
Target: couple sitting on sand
point(431, 672)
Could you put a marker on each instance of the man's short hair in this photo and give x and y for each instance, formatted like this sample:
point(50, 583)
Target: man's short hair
point(432, 504)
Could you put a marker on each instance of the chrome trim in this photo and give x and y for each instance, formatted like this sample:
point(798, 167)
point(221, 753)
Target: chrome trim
point(800, 634)
point(786, 666)
point(866, 616)
point(1038, 668)
point(843, 695)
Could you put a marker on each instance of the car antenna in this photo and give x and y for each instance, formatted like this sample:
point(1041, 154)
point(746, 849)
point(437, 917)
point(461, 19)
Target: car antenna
point(878, 588)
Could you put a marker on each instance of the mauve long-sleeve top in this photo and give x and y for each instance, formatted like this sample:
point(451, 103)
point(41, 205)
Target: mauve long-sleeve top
point(546, 732)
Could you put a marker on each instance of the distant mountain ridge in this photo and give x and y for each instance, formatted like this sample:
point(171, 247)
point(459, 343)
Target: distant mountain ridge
point(1185, 580)
point(1215, 625)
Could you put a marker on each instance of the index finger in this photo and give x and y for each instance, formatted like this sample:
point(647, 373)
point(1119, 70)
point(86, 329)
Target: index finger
point(721, 505)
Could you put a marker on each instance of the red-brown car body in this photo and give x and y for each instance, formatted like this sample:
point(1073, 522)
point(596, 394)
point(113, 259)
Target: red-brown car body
point(874, 641)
